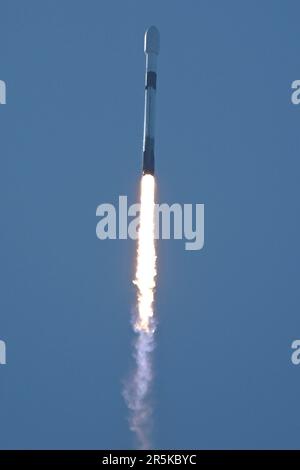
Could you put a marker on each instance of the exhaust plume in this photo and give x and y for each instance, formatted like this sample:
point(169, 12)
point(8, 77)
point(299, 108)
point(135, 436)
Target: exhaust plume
point(137, 392)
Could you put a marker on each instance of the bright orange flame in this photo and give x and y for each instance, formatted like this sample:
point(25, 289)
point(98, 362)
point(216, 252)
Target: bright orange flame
point(146, 257)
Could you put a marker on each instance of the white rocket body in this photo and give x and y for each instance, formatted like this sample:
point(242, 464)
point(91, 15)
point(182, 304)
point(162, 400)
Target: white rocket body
point(151, 48)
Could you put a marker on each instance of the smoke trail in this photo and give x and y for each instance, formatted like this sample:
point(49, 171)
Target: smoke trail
point(137, 392)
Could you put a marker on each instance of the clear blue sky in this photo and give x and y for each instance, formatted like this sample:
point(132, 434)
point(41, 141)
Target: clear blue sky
point(227, 136)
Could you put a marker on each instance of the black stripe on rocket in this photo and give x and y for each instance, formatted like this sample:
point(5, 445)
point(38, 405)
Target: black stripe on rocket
point(151, 80)
point(148, 160)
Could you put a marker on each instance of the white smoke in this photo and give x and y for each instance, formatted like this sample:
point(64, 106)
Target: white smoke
point(138, 390)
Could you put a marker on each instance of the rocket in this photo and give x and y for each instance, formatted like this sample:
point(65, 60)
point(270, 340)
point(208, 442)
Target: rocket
point(151, 49)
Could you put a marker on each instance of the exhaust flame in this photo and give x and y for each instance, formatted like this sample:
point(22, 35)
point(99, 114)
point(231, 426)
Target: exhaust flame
point(146, 257)
point(137, 393)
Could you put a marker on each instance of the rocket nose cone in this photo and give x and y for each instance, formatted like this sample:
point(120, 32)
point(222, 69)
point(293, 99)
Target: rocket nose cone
point(151, 40)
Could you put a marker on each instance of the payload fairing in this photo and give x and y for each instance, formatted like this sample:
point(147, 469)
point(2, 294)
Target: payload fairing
point(151, 48)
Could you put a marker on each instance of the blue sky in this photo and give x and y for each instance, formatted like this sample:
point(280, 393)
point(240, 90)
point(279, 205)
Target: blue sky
point(71, 138)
